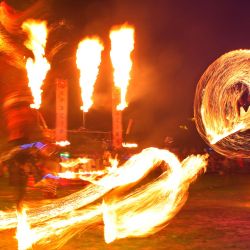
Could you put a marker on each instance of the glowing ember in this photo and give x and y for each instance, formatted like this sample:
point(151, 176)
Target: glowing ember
point(143, 211)
point(88, 59)
point(38, 67)
point(62, 143)
point(122, 44)
point(23, 232)
point(129, 145)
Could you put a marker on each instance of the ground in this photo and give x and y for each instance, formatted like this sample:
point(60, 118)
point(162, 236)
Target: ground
point(216, 216)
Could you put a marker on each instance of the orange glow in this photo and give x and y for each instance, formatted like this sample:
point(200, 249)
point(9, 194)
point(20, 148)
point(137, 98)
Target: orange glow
point(23, 232)
point(82, 175)
point(62, 143)
point(129, 145)
point(122, 44)
point(38, 67)
point(114, 164)
point(73, 162)
point(88, 59)
point(143, 211)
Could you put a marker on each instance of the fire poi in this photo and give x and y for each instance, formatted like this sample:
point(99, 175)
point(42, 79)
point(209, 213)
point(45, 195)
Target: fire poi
point(141, 212)
point(221, 106)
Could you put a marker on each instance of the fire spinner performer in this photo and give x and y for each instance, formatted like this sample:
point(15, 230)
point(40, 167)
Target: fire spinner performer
point(24, 132)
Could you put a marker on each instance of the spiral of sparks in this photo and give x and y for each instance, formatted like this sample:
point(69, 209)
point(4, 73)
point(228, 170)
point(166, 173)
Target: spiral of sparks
point(143, 211)
point(221, 104)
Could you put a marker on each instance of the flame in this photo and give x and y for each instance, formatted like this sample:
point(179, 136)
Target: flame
point(73, 162)
point(129, 145)
point(38, 67)
point(141, 212)
point(88, 59)
point(82, 175)
point(114, 163)
point(122, 44)
point(24, 234)
point(62, 143)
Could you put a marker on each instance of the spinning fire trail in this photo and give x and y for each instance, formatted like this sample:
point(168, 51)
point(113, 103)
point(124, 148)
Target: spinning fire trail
point(143, 211)
point(221, 106)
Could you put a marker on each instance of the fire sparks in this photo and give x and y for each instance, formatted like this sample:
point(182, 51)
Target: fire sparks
point(23, 232)
point(88, 59)
point(143, 211)
point(38, 67)
point(122, 44)
point(222, 101)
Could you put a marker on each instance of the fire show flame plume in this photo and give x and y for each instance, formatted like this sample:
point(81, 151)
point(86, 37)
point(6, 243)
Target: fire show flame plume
point(88, 59)
point(122, 44)
point(143, 211)
point(221, 106)
point(38, 67)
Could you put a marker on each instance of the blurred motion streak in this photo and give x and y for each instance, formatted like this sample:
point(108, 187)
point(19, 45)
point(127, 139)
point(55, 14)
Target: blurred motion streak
point(23, 231)
point(143, 211)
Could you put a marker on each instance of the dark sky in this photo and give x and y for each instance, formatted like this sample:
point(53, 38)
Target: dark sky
point(175, 41)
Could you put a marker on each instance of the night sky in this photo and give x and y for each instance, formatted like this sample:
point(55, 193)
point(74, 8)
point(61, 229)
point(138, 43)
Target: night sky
point(175, 41)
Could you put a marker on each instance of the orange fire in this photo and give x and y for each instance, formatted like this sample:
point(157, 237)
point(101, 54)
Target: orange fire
point(88, 59)
point(62, 143)
point(74, 162)
point(23, 232)
point(143, 211)
point(129, 145)
point(122, 44)
point(38, 67)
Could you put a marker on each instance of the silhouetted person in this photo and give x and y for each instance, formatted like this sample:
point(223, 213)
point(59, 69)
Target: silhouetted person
point(244, 99)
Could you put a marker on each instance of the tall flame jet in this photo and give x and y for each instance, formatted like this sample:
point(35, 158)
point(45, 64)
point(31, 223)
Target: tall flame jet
point(38, 67)
point(122, 44)
point(88, 59)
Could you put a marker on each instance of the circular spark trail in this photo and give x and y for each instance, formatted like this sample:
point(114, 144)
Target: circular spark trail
point(221, 106)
